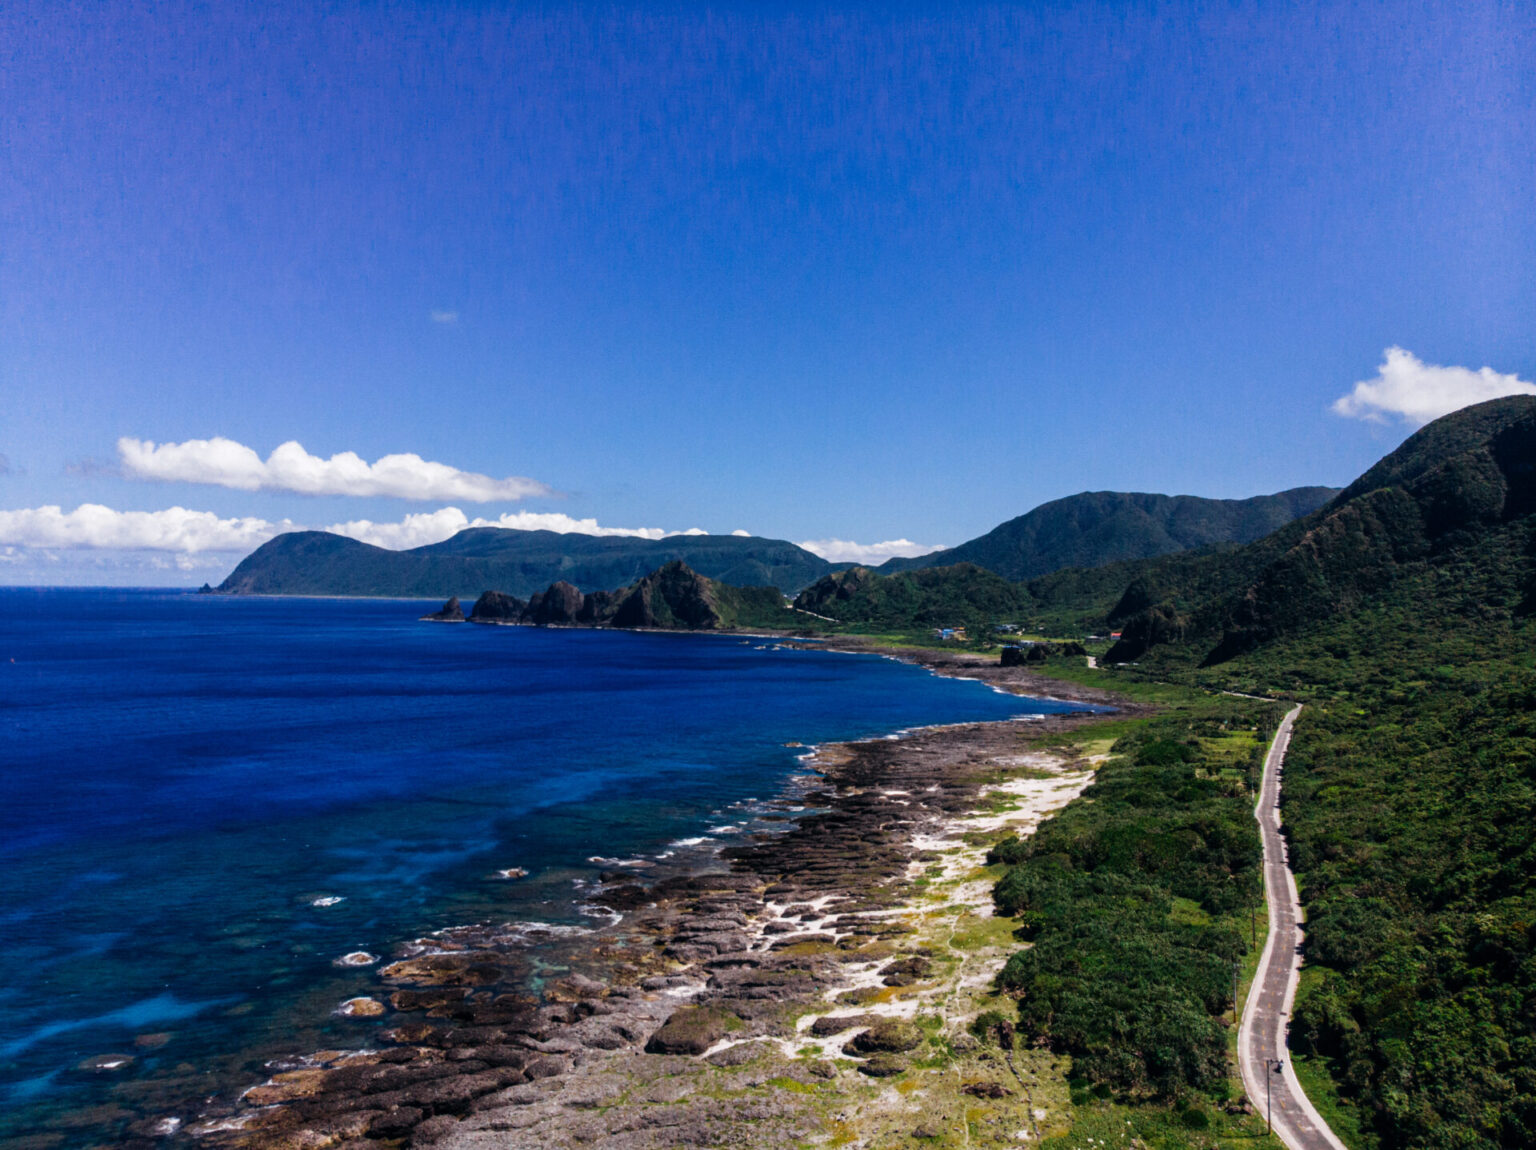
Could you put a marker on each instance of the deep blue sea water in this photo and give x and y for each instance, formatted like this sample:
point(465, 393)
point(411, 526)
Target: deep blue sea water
point(183, 778)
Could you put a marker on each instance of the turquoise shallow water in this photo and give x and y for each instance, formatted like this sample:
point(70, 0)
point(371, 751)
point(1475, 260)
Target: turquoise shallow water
point(204, 801)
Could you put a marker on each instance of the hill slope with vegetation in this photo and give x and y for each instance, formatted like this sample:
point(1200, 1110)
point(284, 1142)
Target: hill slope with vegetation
point(1402, 613)
point(516, 562)
point(960, 596)
point(1096, 528)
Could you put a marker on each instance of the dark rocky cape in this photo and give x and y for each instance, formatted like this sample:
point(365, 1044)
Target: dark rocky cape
point(451, 612)
point(1101, 527)
point(673, 597)
point(517, 562)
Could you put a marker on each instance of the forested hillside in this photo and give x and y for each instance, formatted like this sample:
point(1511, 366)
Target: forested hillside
point(1101, 527)
point(1402, 613)
point(960, 596)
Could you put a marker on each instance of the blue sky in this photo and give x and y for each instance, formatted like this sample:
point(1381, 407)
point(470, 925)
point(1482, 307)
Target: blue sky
point(808, 271)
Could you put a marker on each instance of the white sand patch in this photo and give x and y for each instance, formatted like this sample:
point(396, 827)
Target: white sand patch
point(957, 888)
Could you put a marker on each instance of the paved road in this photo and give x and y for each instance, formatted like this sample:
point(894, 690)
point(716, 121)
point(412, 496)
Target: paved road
point(1261, 1040)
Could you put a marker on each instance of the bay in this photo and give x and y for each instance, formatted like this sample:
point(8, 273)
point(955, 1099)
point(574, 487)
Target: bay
point(205, 801)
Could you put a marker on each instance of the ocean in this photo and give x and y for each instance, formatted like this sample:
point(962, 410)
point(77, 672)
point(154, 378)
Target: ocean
point(205, 802)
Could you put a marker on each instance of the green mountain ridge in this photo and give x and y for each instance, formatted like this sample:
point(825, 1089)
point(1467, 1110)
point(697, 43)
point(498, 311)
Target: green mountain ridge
point(516, 562)
point(1459, 484)
point(1089, 530)
point(1096, 528)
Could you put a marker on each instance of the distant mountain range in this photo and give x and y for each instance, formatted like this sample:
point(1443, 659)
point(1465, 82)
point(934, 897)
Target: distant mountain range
point(1088, 530)
point(1100, 527)
point(515, 562)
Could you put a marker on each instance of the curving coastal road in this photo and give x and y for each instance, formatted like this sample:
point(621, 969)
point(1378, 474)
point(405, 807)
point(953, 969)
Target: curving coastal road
point(1261, 1040)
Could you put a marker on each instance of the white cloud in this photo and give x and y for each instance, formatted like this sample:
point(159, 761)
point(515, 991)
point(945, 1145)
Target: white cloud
point(1418, 392)
point(444, 316)
point(225, 463)
point(565, 525)
point(742, 534)
point(93, 526)
point(869, 554)
point(185, 533)
point(435, 526)
point(412, 531)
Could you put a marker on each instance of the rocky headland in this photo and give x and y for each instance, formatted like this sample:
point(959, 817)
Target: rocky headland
point(451, 612)
point(673, 597)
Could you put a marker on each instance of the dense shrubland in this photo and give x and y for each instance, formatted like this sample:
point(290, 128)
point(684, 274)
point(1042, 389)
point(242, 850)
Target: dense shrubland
point(1136, 901)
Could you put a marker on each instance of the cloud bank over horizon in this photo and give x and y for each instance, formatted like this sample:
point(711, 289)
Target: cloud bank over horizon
point(185, 533)
point(435, 526)
point(1418, 393)
point(226, 463)
point(92, 526)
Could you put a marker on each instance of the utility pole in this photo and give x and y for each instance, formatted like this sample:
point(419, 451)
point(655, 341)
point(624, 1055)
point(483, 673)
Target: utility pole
point(1273, 1066)
point(1236, 968)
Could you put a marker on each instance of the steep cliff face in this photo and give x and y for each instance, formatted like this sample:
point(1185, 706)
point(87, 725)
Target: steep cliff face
point(672, 596)
point(452, 612)
point(498, 607)
point(561, 605)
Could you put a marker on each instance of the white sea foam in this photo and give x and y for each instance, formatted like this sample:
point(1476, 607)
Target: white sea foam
point(328, 900)
point(593, 911)
point(603, 860)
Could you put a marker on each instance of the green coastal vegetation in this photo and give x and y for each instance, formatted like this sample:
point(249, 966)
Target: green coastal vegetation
point(1139, 900)
point(1402, 613)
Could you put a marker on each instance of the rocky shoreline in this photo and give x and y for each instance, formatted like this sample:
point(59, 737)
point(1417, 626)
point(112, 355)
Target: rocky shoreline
point(772, 1000)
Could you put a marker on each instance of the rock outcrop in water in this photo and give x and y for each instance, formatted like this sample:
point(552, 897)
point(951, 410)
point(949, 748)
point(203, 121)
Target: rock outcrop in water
point(673, 597)
point(451, 612)
point(498, 607)
point(560, 605)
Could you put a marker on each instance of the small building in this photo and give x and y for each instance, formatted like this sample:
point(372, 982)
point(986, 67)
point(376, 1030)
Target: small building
point(950, 634)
